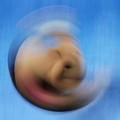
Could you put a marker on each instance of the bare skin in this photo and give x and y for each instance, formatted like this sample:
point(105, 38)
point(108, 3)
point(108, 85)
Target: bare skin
point(58, 69)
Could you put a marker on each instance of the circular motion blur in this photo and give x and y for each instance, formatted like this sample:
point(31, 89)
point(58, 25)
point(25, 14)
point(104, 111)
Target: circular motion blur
point(46, 63)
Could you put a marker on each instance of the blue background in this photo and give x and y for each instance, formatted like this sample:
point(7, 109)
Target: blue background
point(99, 21)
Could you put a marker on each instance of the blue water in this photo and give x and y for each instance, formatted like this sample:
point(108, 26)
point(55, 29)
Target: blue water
point(99, 22)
